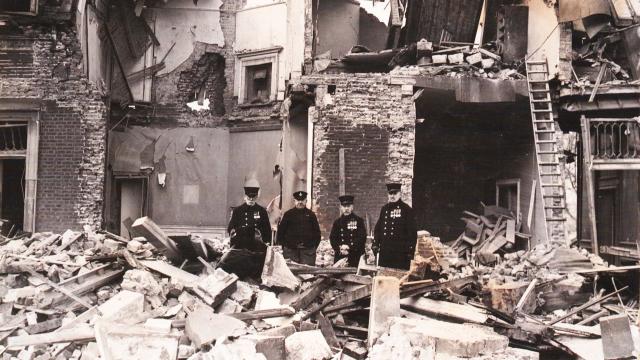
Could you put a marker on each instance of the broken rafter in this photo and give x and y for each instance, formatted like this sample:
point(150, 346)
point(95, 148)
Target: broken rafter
point(60, 289)
point(430, 287)
point(587, 305)
point(120, 66)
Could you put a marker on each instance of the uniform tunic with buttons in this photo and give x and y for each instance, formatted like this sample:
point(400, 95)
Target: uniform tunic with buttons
point(395, 235)
point(299, 228)
point(349, 230)
point(253, 217)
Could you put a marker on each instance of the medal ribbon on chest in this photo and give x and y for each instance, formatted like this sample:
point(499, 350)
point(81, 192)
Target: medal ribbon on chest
point(352, 225)
point(396, 213)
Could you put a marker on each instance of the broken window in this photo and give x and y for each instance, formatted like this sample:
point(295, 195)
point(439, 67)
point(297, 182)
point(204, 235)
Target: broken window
point(508, 195)
point(258, 83)
point(19, 6)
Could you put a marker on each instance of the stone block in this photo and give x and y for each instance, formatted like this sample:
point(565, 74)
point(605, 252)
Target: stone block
point(217, 287)
point(159, 325)
point(307, 345)
point(125, 304)
point(456, 58)
point(439, 59)
point(475, 58)
point(617, 342)
point(385, 303)
point(464, 340)
point(488, 63)
point(203, 326)
point(280, 331)
point(272, 347)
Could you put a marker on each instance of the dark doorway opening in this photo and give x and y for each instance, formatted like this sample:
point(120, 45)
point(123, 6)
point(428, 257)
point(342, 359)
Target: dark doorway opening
point(130, 204)
point(12, 187)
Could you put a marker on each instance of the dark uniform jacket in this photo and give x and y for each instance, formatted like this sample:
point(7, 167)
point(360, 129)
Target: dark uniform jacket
point(299, 228)
point(395, 235)
point(252, 217)
point(349, 230)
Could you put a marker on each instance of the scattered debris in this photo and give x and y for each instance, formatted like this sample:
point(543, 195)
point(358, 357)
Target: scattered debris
point(79, 295)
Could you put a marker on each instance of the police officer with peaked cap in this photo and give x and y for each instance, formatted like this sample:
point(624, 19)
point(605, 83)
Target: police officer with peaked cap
point(396, 231)
point(348, 233)
point(299, 231)
point(249, 215)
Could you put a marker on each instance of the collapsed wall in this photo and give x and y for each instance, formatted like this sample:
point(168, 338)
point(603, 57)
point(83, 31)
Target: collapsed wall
point(42, 75)
point(372, 118)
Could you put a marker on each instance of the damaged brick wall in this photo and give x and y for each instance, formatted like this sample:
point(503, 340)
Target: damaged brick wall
point(72, 144)
point(209, 64)
point(371, 116)
point(209, 69)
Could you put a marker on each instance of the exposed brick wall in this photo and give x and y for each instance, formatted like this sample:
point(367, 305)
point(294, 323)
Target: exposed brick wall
point(172, 91)
point(566, 51)
point(371, 116)
point(72, 128)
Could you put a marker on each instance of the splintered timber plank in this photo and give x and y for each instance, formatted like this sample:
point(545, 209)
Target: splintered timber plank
point(263, 314)
point(422, 289)
point(344, 300)
point(327, 331)
point(177, 274)
point(78, 333)
point(90, 285)
point(310, 294)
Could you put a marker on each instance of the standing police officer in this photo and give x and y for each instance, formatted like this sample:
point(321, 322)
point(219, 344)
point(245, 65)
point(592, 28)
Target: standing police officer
point(299, 231)
point(348, 234)
point(396, 231)
point(249, 215)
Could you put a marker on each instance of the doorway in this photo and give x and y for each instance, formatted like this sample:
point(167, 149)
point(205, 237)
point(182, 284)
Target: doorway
point(12, 187)
point(131, 203)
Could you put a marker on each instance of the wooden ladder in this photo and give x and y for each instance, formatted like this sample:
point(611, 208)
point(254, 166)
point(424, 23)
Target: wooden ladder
point(549, 172)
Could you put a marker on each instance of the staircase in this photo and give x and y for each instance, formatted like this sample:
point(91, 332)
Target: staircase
point(549, 172)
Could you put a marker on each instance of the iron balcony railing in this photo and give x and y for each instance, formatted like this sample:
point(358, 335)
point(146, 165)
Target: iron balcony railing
point(615, 139)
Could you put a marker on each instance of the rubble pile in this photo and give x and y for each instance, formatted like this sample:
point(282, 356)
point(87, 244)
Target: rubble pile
point(428, 59)
point(485, 235)
point(90, 295)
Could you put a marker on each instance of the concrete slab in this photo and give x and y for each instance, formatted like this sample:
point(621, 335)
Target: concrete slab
point(272, 347)
point(385, 303)
point(203, 326)
point(465, 340)
point(617, 342)
point(307, 345)
point(123, 305)
point(280, 331)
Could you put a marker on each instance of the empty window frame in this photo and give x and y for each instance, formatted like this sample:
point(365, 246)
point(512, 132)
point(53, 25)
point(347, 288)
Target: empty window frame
point(26, 7)
point(508, 195)
point(258, 83)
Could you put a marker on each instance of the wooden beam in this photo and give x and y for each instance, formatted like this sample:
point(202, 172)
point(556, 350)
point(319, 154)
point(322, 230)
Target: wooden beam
point(525, 296)
point(588, 172)
point(186, 278)
point(587, 305)
point(78, 333)
point(263, 314)
point(31, 173)
point(311, 293)
point(609, 269)
point(90, 285)
point(532, 201)
point(119, 62)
